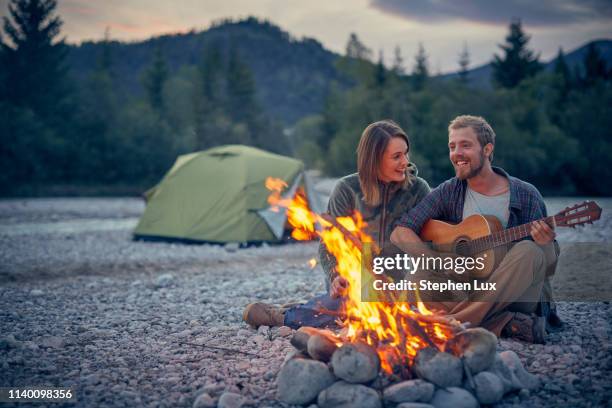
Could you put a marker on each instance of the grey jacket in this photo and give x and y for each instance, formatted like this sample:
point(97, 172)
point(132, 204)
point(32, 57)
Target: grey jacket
point(348, 197)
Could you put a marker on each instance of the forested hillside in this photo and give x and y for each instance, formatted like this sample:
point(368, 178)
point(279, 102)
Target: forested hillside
point(110, 117)
point(291, 76)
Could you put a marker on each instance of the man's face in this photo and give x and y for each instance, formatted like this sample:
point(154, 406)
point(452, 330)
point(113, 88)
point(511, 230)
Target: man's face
point(465, 153)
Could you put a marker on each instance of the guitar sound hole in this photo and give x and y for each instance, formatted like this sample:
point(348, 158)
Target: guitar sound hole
point(462, 247)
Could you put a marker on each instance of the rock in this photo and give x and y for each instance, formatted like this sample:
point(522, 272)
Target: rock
point(321, 347)
point(355, 363)
point(453, 397)
point(513, 362)
point(345, 395)
point(477, 346)
point(284, 331)
point(165, 280)
point(263, 330)
point(230, 400)
point(9, 342)
point(301, 380)
point(414, 405)
point(36, 293)
point(204, 401)
point(409, 391)
point(300, 341)
point(52, 342)
point(231, 246)
point(489, 388)
point(442, 369)
point(504, 373)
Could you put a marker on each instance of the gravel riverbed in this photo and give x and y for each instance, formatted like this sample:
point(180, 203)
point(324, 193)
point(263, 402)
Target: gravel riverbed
point(83, 306)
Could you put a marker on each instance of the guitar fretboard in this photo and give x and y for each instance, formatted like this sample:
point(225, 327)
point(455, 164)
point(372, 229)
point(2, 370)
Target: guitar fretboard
point(499, 238)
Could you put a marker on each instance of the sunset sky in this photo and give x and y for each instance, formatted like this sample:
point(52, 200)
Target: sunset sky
point(443, 26)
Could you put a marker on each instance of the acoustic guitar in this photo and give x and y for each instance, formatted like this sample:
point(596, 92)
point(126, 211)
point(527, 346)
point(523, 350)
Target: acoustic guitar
point(483, 235)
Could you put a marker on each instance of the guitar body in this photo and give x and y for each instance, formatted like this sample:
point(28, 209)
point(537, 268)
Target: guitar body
point(446, 237)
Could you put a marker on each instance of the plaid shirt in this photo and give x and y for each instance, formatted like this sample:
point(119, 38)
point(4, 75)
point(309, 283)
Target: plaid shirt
point(445, 203)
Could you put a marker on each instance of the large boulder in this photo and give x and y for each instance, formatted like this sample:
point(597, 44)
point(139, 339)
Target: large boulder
point(476, 346)
point(488, 388)
point(442, 369)
point(355, 363)
point(409, 391)
point(453, 397)
point(301, 380)
point(346, 395)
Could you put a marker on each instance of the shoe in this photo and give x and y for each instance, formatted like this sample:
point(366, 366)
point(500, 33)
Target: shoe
point(554, 322)
point(262, 314)
point(529, 328)
point(549, 312)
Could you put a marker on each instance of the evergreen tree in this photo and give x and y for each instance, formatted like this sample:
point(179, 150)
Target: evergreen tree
point(561, 67)
point(594, 66)
point(241, 103)
point(154, 79)
point(464, 63)
point(208, 100)
point(381, 72)
point(356, 49)
point(211, 73)
point(398, 61)
point(105, 58)
point(518, 62)
point(420, 72)
point(33, 60)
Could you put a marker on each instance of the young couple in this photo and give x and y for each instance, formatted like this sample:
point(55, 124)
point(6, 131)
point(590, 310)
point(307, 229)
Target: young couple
point(396, 204)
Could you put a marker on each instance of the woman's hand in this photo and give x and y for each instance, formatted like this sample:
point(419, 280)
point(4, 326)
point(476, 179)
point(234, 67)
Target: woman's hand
point(338, 287)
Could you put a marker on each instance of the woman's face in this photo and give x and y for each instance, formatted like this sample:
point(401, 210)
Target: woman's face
point(394, 161)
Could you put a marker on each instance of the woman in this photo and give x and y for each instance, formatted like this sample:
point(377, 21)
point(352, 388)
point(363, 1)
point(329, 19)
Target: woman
point(385, 186)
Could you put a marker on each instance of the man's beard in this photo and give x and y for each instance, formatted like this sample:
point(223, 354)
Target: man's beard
point(475, 171)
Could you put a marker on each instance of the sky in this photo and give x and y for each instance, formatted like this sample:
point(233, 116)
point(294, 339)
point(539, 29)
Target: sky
point(442, 26)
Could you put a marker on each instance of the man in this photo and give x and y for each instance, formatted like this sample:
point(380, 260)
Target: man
point(522, 287)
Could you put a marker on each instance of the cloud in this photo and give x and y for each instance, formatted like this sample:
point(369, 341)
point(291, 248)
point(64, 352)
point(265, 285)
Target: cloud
point(534, 13)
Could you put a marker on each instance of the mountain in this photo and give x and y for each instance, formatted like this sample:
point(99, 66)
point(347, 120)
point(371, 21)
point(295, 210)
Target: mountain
point(481, 75)
point(292, 76)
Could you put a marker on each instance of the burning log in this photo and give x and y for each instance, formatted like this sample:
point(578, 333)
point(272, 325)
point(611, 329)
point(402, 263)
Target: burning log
point(302, 336)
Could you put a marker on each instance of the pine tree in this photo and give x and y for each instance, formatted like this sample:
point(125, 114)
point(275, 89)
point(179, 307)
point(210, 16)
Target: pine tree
point(563, 72)
point(356, 49)
point(105, 58)
point(398, 61)
point(420, 72)
point(33, 60)
point(241, 103)
point(464, 63)
point(594, 66)
point(561, 85)
point(154, 78)
point(381, 72)
point(518, 62)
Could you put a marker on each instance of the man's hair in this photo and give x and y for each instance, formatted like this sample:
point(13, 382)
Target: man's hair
point(372, 145)
point(484, 131)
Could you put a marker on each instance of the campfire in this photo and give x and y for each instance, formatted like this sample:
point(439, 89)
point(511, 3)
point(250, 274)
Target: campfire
point(392, 327)
point(385, 341)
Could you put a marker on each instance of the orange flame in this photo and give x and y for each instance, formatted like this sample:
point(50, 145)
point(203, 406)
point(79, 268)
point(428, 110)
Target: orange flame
point(389, 325)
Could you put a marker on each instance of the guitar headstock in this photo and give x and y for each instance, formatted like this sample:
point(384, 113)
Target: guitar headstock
point(579, 214)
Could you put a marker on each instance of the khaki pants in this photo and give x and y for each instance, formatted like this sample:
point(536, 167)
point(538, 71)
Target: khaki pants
point(519, 280)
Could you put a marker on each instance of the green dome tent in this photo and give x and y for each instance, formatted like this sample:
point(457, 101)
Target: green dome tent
point(219, 195)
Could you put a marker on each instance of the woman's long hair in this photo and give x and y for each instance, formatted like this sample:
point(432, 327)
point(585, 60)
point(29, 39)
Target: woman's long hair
point(374, 141)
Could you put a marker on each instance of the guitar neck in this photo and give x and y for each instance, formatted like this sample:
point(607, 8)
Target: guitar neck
point(504, 237)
